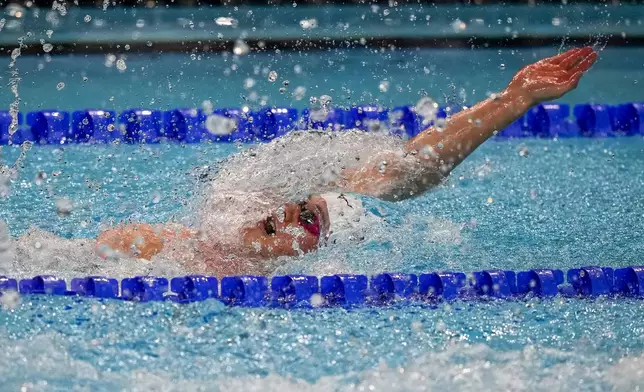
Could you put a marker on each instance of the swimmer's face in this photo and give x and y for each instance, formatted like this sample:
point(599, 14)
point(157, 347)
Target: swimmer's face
point(294, 229)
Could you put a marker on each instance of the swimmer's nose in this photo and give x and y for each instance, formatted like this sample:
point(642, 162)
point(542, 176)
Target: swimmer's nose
point(291, 214)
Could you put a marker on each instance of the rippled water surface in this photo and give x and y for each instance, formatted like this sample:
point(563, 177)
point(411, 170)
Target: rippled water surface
point(513, 204)
point(70, 344)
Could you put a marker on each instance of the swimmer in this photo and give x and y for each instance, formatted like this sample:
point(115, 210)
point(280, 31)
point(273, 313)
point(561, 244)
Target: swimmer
point(243, 226)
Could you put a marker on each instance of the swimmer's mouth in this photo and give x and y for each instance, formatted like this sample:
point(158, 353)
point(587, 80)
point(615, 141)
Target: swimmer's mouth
point(310, 219)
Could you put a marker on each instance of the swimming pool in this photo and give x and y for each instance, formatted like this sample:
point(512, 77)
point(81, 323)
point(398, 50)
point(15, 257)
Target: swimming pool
point(516, 204)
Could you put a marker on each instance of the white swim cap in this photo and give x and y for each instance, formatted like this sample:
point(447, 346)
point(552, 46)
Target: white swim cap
point(347, 217)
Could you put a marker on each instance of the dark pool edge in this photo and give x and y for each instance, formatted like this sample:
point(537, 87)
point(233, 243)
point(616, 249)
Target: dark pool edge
point(260, 45)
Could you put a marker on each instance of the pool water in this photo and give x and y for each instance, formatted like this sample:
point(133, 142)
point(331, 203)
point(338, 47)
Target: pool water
point(514, 204)
point(62, 344)
point(349, 77)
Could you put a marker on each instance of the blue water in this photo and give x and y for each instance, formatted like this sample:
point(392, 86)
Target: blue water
point(565, 203)
point(54, 343)
point(349, 21)
point(512, 204)
point(348, 76)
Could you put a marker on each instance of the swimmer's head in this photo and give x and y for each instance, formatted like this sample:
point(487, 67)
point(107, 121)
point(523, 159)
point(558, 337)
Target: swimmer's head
point(291, 230)
point(255, 225)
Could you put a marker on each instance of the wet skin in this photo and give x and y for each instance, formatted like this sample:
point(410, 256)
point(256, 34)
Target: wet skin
point(295, 229)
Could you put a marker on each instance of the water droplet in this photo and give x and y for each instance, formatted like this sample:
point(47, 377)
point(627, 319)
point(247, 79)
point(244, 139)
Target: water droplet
point(64, 207)
point(307, 24)
point(60, 86)
point(226, 21)
point(313, 100)
point(110, 59)
point(10, 300)
point(155, 196)
point(297, 69)
point(325, 100)
point(241, 48)
point(85, 79)
point(317, 300)
point(47, 47)
point(299, 93)
point(120, 65)
point(458, 26)
point(502, 66)
point(140, 23)
point(493, 96)
point(220, 125)
point(207, 107)
point(427, 108)
point(40, 178)
point(272, 76)
point(14, 10)
point(249, 83)
point(87, 19)
point(384, 86)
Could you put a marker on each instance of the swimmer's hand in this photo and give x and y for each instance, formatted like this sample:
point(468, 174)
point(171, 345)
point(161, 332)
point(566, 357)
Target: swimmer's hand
point(138, 240)
point(552, 77)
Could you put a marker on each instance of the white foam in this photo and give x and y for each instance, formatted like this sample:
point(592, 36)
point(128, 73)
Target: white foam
point(461, 366)
point(38, 252)
point(244, 189)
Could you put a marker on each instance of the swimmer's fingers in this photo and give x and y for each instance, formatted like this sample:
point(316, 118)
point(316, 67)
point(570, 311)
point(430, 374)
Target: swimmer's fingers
point(568, 59)
point(555, 60)
point(572, 61)
point(586, 63)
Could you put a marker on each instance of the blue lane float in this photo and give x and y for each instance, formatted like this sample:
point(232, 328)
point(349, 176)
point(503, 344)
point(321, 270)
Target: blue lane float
point(246, 290)
point(96, 286)
point(142, 125)
point(389, 287)
point(94, 126)
point(346, 290)
point(144, 289)
point(43, 284)
point(549, 120)
point(293, 291)
point(194, 288)
point(595, 120)
point(442, 285)
point(50, 127)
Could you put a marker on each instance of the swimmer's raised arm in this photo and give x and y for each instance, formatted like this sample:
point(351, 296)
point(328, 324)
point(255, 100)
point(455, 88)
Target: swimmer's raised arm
point(442, 150)
point(542, 81)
